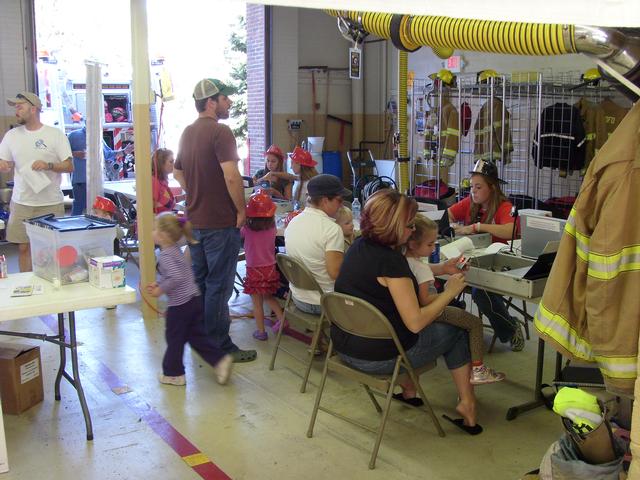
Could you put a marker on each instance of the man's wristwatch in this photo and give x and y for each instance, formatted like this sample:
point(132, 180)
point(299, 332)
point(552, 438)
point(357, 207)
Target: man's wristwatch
point(50, 166)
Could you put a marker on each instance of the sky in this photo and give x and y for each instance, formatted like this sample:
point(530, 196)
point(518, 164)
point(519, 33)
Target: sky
point(191, 35)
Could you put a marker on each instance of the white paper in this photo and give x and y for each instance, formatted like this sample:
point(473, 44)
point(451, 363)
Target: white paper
point(543, 224)
point(29, 371)
point(496, 247)
point(427, 207)
point(457, 248)
point(37, 181)
point(434, 215)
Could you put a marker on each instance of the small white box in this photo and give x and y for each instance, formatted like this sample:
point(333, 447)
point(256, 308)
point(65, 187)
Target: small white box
point(107, 272)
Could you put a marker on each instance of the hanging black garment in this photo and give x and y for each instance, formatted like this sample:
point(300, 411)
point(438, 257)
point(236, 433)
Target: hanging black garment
point(562, 138)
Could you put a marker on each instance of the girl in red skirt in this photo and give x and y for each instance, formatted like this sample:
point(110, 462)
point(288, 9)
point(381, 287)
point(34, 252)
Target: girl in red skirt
point(262, 279)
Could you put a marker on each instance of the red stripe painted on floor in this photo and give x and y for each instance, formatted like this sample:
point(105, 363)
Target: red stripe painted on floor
point(172, 437)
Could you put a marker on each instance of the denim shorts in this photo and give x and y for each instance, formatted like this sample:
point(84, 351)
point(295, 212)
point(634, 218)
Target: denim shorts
point(433, 341)
point(307, 307)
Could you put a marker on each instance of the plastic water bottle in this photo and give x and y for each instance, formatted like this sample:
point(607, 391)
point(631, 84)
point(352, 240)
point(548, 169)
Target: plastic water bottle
point(355, 211)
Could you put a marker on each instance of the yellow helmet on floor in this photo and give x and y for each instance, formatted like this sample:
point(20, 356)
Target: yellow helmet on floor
point(445, 76)
point(580, 407)
point(485, 75)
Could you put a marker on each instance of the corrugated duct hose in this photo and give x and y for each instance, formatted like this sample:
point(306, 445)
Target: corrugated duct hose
point(616, 51)
point(403, 150)
point(617, 54)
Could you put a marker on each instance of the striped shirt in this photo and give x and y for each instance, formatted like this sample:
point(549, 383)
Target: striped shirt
point(176, 276)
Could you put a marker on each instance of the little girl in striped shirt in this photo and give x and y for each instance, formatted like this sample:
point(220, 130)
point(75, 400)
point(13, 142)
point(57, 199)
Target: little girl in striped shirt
point(185, 307)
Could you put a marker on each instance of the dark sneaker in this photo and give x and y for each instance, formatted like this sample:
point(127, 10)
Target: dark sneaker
point(517, 341)
point(242, 356)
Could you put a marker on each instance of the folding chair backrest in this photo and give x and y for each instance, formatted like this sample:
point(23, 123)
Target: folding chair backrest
point(357, 317)
point(126, 206)
point(297, 273)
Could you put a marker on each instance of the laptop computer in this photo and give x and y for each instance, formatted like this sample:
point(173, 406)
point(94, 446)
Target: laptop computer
point(537, 232)
point(540, 269)
point(437, 211)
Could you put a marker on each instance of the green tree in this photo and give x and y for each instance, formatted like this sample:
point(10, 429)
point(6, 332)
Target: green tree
point(237, 56)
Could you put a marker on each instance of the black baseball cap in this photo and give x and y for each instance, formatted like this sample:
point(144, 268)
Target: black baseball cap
point(326, 185)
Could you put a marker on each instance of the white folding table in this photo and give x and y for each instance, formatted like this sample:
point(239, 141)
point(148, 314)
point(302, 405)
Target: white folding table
point(128, 187)
point(66, 299)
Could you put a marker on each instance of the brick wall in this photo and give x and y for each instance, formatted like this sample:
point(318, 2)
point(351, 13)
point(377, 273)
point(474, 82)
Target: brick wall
point(257, 84)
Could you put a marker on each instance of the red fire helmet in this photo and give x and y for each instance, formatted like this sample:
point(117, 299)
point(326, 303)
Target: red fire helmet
point(303, 157)
point(275, 150)
point(260, 205)
point(103, 203)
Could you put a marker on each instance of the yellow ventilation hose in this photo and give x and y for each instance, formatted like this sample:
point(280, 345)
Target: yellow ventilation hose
point(403, 150)
point(518, 38)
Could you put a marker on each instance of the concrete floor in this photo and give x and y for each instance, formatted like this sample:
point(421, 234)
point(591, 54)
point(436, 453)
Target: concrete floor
point(254, 427)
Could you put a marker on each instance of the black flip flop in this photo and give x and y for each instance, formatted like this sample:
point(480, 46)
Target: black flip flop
point(414, 402)
point(459, 422)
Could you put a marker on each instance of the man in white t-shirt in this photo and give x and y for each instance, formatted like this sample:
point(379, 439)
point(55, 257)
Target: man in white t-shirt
point(316, 240)
point(38, 154)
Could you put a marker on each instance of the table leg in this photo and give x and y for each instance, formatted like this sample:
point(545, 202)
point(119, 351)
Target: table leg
point(513, 412)
point(76, 375)
point(63, 356)
point(4, 460)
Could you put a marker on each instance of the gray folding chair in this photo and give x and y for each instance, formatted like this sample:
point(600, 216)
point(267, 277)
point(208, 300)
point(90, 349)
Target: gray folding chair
point(300, 277)
point(126, 217)
point(358, 317)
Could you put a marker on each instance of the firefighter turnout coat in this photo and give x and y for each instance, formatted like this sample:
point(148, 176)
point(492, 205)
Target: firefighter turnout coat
point(590, 309)
point(493, 140)
point(442, 133)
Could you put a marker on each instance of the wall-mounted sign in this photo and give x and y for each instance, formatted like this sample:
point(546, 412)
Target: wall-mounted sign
point(355, 59)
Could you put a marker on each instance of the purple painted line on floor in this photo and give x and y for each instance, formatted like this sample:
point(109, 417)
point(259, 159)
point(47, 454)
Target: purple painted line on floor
point(172, 437)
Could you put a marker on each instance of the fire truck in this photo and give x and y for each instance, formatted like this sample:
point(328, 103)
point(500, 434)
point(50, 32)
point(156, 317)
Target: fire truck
point(65, 104)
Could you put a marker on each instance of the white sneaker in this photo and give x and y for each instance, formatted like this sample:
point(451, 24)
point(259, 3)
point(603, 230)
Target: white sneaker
point(481, 375)
point(222, 369)
point(168, 380)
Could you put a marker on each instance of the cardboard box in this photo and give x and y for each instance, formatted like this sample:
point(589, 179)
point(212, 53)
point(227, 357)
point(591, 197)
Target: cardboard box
point(20, 377)
point(107, 272)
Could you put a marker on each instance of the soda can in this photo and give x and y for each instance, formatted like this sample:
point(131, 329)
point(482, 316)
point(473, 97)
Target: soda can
point(435, 255)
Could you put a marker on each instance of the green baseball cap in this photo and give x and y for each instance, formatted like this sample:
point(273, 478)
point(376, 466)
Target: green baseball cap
point(208, 87)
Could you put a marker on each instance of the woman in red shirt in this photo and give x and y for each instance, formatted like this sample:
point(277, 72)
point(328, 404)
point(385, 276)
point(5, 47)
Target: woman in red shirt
point(487, 210)
point(161, 167)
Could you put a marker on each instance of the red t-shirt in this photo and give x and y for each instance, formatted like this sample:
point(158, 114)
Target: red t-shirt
point(461, 212)
point(163, 199)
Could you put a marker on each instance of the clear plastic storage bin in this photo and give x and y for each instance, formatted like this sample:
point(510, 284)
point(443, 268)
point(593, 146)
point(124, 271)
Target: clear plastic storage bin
point(61, 247)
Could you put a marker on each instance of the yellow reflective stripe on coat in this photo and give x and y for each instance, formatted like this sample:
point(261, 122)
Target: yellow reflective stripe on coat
point(602, 267)
point(448, 152)
point(452, 131)
point(607, 267)
point(556, 327)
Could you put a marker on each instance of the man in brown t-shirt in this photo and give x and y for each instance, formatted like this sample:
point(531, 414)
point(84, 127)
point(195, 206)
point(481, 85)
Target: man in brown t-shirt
point(207, 169)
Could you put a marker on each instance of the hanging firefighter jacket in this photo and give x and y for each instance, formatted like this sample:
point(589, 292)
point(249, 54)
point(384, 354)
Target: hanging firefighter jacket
point(613, 115)
point(595, 130)
point(444, 137)
point(591, 306)
point(562, 139)
point(489, 143)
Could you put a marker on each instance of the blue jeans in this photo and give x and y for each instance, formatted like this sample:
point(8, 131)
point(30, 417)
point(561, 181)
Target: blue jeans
point(307, 307)
point(434, 340)
point(79, 198)
point(493, 306)
point(214, 265)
